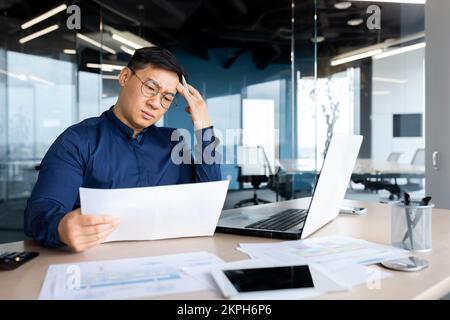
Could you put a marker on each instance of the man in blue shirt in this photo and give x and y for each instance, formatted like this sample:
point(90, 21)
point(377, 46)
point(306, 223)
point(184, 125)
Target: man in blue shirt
point(122, 148)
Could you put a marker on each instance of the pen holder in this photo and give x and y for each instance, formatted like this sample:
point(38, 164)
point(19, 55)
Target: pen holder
point(411, 226)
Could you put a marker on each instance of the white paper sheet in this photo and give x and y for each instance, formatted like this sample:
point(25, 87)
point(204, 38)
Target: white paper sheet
point(162, 212)
point(339, 250)
point(126, 278)
point(353, 275)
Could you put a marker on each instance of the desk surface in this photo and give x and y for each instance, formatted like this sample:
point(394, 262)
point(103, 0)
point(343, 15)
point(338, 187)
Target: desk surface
point(431, 283)
point(362, 166)
point(371, 166)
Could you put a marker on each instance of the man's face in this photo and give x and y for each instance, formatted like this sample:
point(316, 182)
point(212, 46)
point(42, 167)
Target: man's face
point(140, 111)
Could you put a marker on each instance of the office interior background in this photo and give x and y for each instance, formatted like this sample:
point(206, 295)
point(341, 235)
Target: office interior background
point(287, 73)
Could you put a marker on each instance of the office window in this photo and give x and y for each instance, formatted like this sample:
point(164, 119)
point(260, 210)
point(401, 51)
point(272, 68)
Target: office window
point(262, 132)
point(325, 105)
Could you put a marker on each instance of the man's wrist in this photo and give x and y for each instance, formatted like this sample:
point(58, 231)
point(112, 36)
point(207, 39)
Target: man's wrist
point(60, 232)
point(201, 124)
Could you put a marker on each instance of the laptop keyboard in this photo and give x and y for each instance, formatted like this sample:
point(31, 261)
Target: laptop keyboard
point(283, 220)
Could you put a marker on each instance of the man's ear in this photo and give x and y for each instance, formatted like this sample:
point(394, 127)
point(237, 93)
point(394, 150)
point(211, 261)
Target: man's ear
point(124, 75)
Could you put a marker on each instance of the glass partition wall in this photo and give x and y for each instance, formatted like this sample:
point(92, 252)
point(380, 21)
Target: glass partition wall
point(279, 77)
point(369, 81)
point(60, 63)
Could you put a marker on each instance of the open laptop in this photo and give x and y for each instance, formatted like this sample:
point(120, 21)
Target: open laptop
point(298, 223)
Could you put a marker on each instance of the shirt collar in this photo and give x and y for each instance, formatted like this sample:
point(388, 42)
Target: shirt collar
point(123, 128)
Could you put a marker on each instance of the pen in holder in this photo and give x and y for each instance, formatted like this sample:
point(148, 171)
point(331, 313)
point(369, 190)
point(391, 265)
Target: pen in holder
point(411, 224)
point(411, 230)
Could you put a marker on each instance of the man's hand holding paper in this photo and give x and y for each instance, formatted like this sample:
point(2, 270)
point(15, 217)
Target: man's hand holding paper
point(161, 212)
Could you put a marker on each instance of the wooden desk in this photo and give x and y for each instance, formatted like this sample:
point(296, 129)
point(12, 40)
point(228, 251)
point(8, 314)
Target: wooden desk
point(432, 283)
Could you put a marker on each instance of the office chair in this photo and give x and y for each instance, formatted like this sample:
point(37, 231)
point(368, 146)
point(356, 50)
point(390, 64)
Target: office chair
point(415, 184)
point(254, 168)
point(390, 185)
point(394, 156)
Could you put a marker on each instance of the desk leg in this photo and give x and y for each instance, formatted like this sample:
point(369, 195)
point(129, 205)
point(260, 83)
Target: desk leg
point(293, 187)
point(277, 196)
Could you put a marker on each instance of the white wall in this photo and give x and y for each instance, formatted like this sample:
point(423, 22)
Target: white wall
point(398, 88)
point(437, 27)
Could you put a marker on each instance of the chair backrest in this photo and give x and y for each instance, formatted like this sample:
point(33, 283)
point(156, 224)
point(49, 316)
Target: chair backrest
point(419, 157)
point(253, 161)
point(394, 156)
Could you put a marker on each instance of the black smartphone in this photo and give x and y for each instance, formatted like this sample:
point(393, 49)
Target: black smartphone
point(236, 281)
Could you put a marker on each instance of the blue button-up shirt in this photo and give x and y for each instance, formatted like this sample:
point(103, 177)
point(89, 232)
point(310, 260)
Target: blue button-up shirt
point(101, 152)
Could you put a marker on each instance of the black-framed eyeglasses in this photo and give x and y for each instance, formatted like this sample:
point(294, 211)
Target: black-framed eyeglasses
point(150, 88)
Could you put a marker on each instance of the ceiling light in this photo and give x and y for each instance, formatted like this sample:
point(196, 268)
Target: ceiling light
point(95, 43)
point(343, 5)
point(390, 80)
point(38, 34)
point(400, 50)
point(105, 66)
point(128, 42)
point(14, 75)
point(396, 1)
point(318, 39)
point(70, 51)
point(359, 56)
point(355, 22)
point(40, 80)
point(381, 93)
point(44, 16)
point(110, 77)
point(127, 38)
point(127, 50)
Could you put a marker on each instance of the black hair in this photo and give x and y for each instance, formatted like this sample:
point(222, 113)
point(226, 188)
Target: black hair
point(158, 57)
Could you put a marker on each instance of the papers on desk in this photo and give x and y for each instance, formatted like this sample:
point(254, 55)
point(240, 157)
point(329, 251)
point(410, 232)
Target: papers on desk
point(127, 278)
point(337, 263)
point(338, 250)
point(162, 212)
point(326, 278)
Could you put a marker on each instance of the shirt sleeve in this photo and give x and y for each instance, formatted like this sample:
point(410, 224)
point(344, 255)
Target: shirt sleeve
point(206, 160)
point(56, 190)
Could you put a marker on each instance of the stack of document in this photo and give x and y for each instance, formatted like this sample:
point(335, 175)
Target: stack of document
point(128, 278)
point(338, 250)
point(344, 260)
point(336, 264)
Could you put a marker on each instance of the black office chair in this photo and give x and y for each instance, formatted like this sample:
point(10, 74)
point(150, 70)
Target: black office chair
point(391, 185)
point(392, 157)
point(254, 172)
